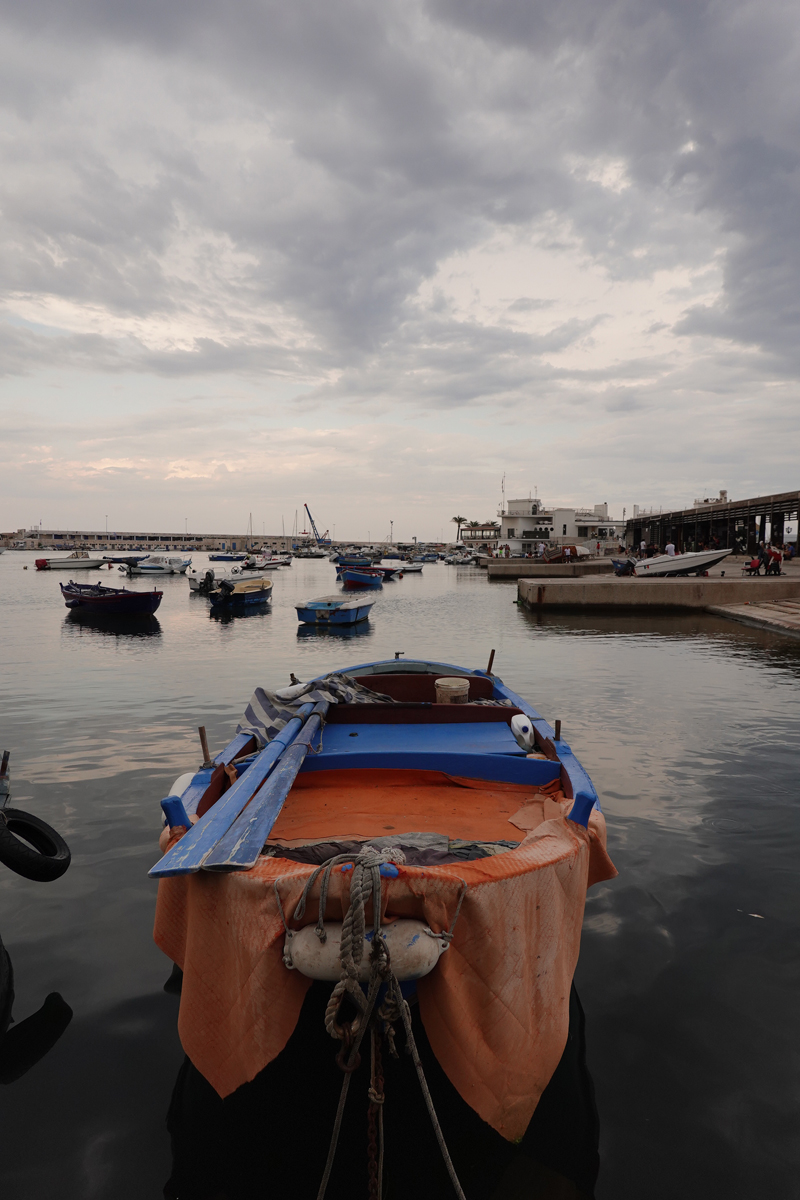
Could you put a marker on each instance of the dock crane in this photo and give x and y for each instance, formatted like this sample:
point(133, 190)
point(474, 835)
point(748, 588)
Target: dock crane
point(322, 539)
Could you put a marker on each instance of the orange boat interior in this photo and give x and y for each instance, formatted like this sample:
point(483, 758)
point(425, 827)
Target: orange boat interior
point(352, 804)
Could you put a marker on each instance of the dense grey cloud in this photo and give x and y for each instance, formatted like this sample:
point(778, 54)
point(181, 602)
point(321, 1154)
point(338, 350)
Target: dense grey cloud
point(414, 207)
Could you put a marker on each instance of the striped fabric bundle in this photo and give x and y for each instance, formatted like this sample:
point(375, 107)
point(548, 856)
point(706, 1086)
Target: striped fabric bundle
point(268, 712)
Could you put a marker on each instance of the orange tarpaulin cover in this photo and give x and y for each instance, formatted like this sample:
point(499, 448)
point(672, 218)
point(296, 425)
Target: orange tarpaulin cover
point(495, 1009)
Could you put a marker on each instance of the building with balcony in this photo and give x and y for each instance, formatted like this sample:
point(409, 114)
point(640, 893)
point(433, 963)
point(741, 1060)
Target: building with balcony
point(525, 523)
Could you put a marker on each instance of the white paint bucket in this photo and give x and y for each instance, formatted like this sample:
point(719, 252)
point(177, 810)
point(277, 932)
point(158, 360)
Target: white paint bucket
point(452, 690)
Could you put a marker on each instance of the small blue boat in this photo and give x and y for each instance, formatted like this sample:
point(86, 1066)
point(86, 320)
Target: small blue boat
point(386, 572)
point(361, 577)
point(353, 560)
point(227, 557)
point(333, 610)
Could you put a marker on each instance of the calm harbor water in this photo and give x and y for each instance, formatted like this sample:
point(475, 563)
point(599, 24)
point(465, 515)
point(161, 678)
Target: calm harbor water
point(688, 977)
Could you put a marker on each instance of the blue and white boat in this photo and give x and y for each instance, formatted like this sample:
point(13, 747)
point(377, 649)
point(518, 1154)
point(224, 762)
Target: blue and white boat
point(476, 826)
point(230, 557)
point(333, 610)
point(159, 564)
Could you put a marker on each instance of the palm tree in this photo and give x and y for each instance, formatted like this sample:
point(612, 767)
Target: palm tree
point(459, 521)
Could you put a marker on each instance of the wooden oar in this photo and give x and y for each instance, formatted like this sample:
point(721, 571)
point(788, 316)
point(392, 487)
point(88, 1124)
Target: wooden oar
point(239, 849)
point(190, 852)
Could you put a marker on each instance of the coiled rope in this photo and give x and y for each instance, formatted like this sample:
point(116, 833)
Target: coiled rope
point(366, 884)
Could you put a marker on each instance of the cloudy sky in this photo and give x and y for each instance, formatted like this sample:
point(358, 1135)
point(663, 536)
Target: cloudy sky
point(375, 255)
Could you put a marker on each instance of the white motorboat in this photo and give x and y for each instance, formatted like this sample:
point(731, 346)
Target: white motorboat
point(694, 562)
point(159, 564)
point(257, 562)
point(77, 561)
point(205, 579)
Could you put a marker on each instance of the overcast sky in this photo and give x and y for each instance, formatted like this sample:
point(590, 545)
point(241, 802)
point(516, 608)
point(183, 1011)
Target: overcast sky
point(373, 255)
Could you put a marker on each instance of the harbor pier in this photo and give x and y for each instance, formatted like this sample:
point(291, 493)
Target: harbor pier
point(768, 603)
point(731, 524)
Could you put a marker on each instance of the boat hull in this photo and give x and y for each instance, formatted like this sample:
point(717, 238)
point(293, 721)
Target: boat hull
point(666, 566)
point(119, 601)
point(353, 577)
point(68, 564)
point(244, 599)
point(334, 616)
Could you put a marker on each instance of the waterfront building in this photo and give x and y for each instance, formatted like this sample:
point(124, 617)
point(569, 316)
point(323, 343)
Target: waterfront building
point(525, 523)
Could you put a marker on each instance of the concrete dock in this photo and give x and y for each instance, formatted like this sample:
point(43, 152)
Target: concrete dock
point(780, 616)
point(627, 593)
point(532, 568)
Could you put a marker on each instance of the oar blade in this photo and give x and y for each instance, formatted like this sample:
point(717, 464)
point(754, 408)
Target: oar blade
point(190, 852)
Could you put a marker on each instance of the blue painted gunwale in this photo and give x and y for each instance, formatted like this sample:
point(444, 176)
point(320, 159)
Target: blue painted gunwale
point(504, 766)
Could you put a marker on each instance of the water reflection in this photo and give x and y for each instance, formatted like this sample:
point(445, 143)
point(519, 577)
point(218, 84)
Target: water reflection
point(227, 1148)
point(362, 629)
point(78, 624)
point(234, 613)
point(26, 1044)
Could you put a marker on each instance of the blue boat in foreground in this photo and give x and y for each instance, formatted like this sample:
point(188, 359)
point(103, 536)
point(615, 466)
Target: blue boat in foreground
point(333, 610)
point(474, 826)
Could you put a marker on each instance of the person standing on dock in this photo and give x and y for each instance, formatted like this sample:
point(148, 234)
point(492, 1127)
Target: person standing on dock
point(670, 549)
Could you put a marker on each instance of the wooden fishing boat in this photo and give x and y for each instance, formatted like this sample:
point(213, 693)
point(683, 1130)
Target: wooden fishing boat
point(352, 560)
point(361, 577)
point(208, 579)
point(333, 610)
point(234, 593)
point(473, 828)
point(94, 598)
point(79, 560)
point(385, 572)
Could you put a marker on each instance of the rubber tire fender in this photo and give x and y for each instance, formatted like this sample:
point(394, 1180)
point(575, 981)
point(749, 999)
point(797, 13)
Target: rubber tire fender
point(46, 858)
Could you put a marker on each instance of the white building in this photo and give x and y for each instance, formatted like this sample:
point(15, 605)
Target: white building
point(526, 523)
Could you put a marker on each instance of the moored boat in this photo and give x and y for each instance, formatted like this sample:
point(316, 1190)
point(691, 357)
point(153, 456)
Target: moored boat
point(354, 577)
point(663, 566)
point(241, 593)
point(475, 825)
point(79, 560)
point(208, 579)
point(94, 598)
point(159, 564)
point(333, 610)
point(231, 556)
point(394, 572)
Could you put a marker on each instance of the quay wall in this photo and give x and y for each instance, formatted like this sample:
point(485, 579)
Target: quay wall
point(521, 568)
point(653, 593)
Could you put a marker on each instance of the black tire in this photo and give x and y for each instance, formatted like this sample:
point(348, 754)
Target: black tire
point(46, 858)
